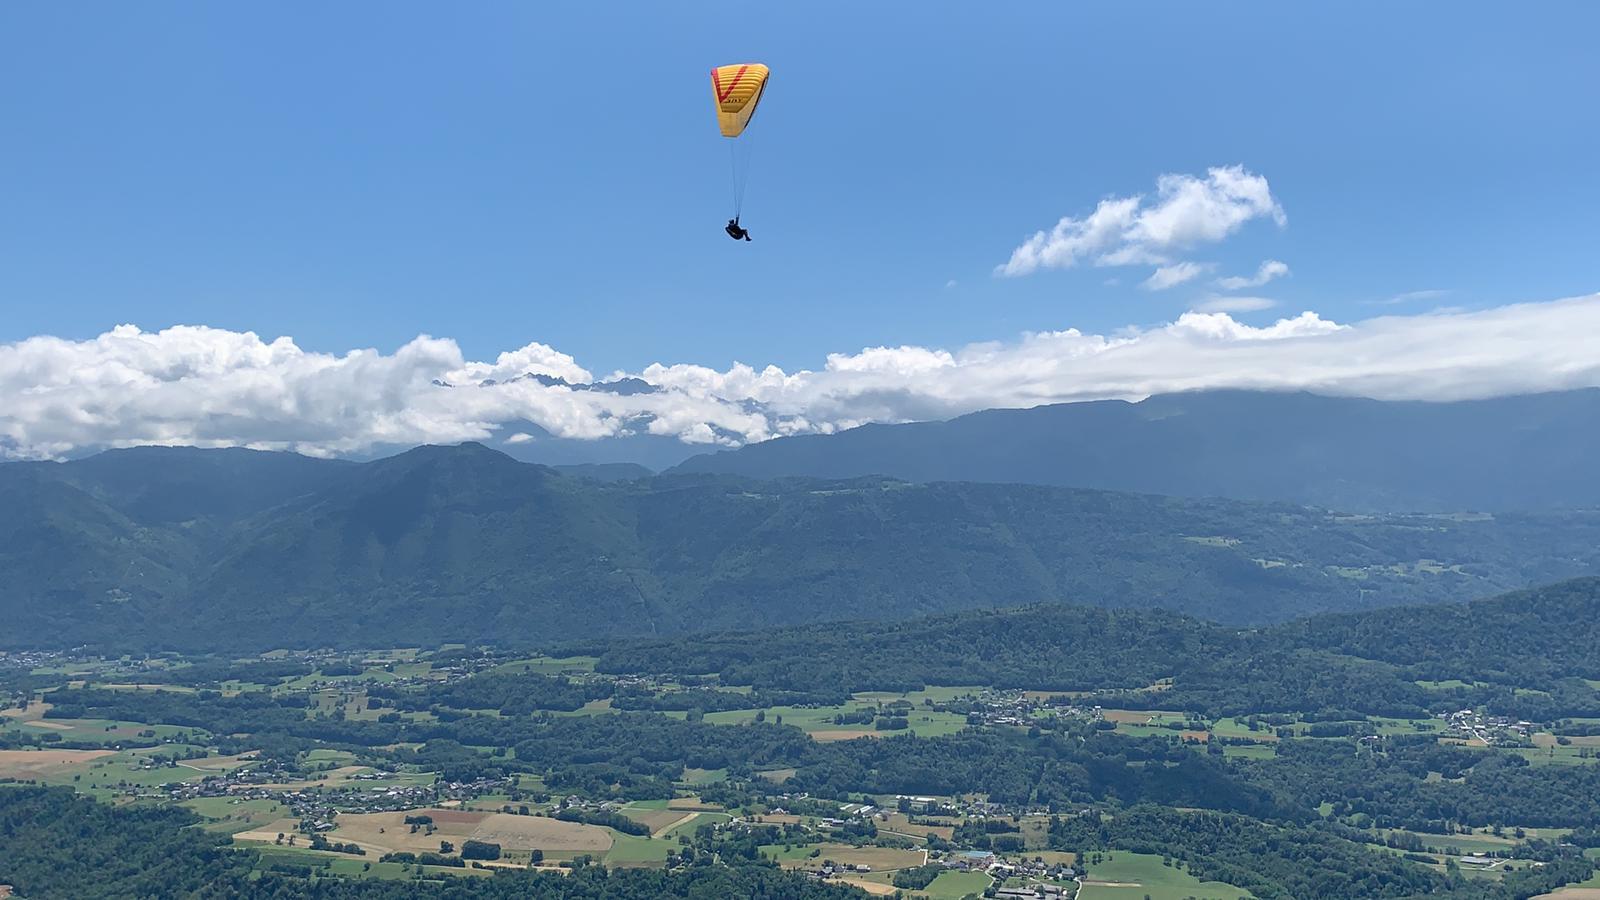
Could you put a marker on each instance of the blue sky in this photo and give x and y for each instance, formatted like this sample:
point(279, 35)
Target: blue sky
point(356, 174)
point(264, 190)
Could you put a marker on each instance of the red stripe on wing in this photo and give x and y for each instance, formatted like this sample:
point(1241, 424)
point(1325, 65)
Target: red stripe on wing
point(716, 83)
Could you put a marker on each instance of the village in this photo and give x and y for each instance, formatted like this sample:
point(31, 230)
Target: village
point(1490, 730)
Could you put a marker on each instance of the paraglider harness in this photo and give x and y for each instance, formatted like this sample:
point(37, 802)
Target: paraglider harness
point(736, 232)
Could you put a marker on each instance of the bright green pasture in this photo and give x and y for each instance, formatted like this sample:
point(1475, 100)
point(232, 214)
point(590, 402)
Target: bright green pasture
point(954, 885)
point(103, 731)
point(1138, 875)
point(819, 720)
point(549, 665)
point(592, 708)
point(628, 850)
point(121, 772)
point(233, 816)
point(791, 853)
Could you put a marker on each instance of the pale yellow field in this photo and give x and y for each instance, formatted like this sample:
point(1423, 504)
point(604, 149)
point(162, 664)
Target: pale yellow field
point(1545, 740)
point(550, 835)
point(684, 820)
point(779, 819)
point(901, 823)
point(656, 819)
point(876, 888)
point(33, 710)
point(44, 763)
point(270, 831)
point(389, 832)
point(692, 804)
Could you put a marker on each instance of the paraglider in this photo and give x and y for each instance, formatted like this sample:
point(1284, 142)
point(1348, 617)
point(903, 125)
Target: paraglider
point(737, 90)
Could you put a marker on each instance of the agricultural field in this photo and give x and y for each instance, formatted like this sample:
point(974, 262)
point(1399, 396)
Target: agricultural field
point(954, 885)
point(354, 866)
point(46, 764)
point(592, 708)
point(900, 823)
point(1123, 875)
point(957, 884)
point(693, 777)
point(819, 721)
point(545, 665)
point(234, 815)
point(388, 832)
point(634, 851)
point(878, 859)
point(465, 737)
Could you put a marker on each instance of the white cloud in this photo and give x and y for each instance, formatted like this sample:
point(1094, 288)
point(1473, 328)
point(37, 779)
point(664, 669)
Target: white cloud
point(1234, 304)
point(1266, 272)
point(210, 387)
point(1174, 275)
point(1122, 231)
point(1413, 296)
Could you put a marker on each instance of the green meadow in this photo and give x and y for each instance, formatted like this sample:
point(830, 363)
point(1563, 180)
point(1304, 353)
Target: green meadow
point(1133, 876)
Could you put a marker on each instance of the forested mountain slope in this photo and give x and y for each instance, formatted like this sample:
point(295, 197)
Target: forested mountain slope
point(1533, 654)
point(252, 551)
point(1359, 455)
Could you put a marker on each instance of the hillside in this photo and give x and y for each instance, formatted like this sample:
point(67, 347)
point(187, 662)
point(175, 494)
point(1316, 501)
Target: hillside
point(464, 543)
point(1395, 661)
point(1510, 453)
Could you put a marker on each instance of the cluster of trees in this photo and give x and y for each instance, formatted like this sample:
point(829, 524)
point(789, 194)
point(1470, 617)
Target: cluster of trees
point(425, 858)
point(321, 842)
point(249, 712)
point(713, 700)
point(512, 693)
point(1367, 663)
point(211, 671)
point(1391, 788)
point(54, 843)
point(1048, 769)
point(605, 817)
point(917, 877)
point(1276, 862)
point(471, 849)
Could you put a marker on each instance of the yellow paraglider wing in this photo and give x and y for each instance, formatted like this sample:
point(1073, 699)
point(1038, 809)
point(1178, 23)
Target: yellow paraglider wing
point(737, 90)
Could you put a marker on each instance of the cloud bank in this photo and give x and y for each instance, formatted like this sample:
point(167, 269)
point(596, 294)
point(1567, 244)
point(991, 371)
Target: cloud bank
point(209, 387)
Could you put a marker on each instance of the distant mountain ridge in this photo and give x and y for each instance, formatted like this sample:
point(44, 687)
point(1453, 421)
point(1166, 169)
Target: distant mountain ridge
point(1511, 453)
point(239, 550)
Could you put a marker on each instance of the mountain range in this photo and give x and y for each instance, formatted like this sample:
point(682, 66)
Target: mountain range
point(239, 549)
point(1359, 455)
